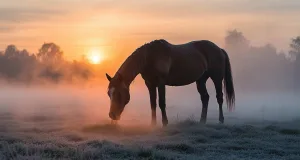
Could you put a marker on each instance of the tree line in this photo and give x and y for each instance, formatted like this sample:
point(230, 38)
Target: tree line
point(254, 67)
point(48, 65)
point(263, 68)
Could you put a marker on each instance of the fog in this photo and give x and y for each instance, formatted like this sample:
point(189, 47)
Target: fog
point(66, 105)
point(53, 108)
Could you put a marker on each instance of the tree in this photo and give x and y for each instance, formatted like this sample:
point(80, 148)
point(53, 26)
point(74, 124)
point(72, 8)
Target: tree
point(236, 42)
point(17, 64)
point(11, 51)
point(50, 53)
point(295, 48)
point(24, 53)
point(295, 54)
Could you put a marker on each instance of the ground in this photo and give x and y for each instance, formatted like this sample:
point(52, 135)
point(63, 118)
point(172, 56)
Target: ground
point(68, 123)
point(188, 139)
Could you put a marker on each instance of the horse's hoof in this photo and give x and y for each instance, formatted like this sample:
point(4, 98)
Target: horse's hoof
point(203, 121)
point(221, 120)
point(153, 123)
point(165, 123)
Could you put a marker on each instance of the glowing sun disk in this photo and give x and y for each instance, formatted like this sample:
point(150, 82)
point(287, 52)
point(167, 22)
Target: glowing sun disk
point(95, 56)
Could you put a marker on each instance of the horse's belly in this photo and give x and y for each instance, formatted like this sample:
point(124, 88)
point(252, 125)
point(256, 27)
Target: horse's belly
point(183, 78)
point(186, 69)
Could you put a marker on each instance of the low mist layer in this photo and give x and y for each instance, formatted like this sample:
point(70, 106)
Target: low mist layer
point(69, 122)
point(91, 105)
point(73, 123)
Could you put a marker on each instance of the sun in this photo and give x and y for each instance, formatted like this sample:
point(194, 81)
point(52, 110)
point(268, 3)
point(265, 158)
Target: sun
point(95, 56)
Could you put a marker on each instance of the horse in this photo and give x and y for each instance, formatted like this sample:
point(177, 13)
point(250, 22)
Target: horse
point(162, 64)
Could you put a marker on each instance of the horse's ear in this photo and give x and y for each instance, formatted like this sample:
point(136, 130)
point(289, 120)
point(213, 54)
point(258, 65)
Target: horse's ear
point(108, 77)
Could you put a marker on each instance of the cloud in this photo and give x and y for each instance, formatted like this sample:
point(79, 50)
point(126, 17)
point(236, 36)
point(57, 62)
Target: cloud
point(6, 28)
point(13, 16)
point(195, 8)
point(18, 15)
point(174, 9)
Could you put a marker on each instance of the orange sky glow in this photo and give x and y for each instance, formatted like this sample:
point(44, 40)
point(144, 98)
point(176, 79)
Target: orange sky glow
point(117, 28)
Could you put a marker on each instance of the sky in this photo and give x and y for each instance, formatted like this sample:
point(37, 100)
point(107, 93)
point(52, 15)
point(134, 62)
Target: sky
point(118, 27)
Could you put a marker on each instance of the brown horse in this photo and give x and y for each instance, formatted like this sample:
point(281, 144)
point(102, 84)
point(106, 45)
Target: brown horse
point(161, 63)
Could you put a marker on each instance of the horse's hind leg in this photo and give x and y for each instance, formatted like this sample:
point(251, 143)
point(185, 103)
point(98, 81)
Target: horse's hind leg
point(218, 86)
point(162, 103)
point(201, 87)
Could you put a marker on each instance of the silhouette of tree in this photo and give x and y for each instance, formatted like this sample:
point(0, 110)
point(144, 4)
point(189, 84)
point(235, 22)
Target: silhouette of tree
point(295, 54)
point(16, 64)
point(51, 58)
point(47, 65)
point(257, 67)
point(50, 53)
point(23, 53)
point(51, 73)
point(11, 51)
point(236, 42)
point(295, 46)
point(80, 70)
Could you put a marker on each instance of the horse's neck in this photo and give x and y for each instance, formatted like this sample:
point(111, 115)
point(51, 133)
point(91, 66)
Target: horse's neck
point(132, 66)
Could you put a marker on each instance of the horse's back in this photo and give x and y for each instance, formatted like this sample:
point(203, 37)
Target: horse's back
point(184, 63)
point(214, 55)
point(201, 50)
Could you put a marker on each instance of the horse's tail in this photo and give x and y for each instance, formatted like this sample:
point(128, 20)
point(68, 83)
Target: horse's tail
point(228, 83)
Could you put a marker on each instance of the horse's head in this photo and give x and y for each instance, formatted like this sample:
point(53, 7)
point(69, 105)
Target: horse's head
point(118, 94)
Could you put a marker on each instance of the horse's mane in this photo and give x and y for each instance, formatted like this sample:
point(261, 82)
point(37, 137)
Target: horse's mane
point(134, 62)
point(151, 44)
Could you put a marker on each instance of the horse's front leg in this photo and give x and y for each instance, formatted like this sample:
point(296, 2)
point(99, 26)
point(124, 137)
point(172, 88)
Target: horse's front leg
point(152, 93)
point(162, 103)
point(201, 87)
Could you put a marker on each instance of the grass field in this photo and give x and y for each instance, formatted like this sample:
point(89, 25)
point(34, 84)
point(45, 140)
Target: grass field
point(56, 124)
point(183, 140)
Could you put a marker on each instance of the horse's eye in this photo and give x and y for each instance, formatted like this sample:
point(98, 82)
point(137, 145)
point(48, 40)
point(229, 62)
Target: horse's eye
point(118, 96)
